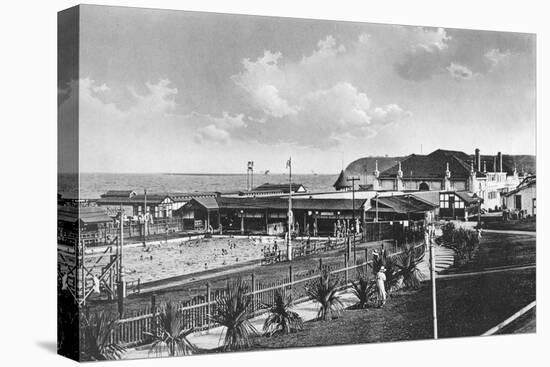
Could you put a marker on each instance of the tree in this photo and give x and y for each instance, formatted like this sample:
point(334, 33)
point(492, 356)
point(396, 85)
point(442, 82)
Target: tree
point(172, 334)
point(281, 319)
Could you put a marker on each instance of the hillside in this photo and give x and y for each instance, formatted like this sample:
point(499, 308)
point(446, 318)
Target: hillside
point(526, 163)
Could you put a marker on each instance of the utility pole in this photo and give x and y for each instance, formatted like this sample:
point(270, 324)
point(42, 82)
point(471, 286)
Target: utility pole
point(289, 243)
point(121, 288)
point(353, 179)
point(432, 275)
point(145, 214)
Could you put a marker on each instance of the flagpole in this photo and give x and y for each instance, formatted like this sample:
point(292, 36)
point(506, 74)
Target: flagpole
point(289, 243)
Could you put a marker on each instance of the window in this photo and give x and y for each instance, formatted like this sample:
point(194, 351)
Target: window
point(139, 209)
point(444, 200)
point(517, 198)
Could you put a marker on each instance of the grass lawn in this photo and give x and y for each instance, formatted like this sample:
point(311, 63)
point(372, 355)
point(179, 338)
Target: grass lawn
point(466, 306)
point(512, 225)
point(406, 316)
point(470, 306)
point(501, 249)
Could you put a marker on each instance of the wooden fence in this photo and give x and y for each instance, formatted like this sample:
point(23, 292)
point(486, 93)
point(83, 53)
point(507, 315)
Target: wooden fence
point(196, 312)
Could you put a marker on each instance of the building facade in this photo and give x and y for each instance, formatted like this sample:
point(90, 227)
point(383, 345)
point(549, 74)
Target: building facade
point(444, 170)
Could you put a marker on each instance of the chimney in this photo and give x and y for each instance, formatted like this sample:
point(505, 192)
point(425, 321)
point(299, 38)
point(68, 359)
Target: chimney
point(478, 161)
point(499, 162)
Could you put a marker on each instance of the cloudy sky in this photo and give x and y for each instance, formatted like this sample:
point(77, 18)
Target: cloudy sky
point(173, 91)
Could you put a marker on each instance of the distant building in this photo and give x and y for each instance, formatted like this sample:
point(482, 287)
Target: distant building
point(275, 189)
point(446, 170)
point(523, 197)
point(342, 183)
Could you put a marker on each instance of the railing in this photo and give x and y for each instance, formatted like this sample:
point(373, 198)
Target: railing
point(196, 312)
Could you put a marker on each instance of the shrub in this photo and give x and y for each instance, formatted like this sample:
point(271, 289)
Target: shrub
point(463, 241)
point(233, 312)
point(97, 330)
point(324, 291)
point(364, 290)
point(281, 319)
point(407, 267)
point(172, 335)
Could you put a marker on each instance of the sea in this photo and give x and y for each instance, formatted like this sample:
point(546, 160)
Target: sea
point(92, 185)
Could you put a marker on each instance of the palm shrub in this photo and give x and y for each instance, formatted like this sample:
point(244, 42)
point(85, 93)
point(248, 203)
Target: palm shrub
point(234, 311)
point(407, 267)
point(364, 290)
point(324, 291)
point(172, 334)
point(96, 334)
point(392, 271)
point(281, 319)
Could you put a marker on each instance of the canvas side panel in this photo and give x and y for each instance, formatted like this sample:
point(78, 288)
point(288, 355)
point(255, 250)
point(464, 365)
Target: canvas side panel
point(68, 343)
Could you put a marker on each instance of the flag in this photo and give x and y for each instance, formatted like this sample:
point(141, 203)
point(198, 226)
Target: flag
point(289, 162)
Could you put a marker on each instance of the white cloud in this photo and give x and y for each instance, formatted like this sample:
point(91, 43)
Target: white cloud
point(212, 133)
point(459, 72)
point(261, 79)
point(389, 114)
point(325, 48)
point(495, 57)
point(311, 101)
point(102, 88)
point(432, 41)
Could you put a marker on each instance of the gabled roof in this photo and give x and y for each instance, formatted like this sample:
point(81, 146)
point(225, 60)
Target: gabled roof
point(284, 188)
point(467, 197)
point(208, 203)
point(136, 199)
point(526, 183)
point(119, 193)
point(87, 215)
point(402, 204)
point(432, 166)
point(342, 182)
point(178, 196)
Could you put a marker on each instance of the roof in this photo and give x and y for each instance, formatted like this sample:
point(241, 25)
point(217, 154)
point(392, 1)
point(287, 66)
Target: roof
point(87, 215)
point(467, 197)
point(401, 204)
point(118, 193)
point(209, 203)
point(136, 199)
point(431, 197)
point(284, 188)
point(282, 203)
point(526, 183)
point(432, 166)
point(178, 196)
point(341, 182)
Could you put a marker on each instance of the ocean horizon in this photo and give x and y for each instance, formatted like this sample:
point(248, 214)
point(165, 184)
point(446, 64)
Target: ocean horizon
point(92, 185)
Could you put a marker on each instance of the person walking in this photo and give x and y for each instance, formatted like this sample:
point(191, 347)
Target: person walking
point(380, 283)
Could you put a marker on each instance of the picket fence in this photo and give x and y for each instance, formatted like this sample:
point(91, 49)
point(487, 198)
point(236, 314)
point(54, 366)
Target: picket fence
point(196, 312)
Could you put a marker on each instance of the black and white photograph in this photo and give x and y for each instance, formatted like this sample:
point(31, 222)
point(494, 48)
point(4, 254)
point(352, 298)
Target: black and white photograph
point(232, 183)
point(272, 184)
